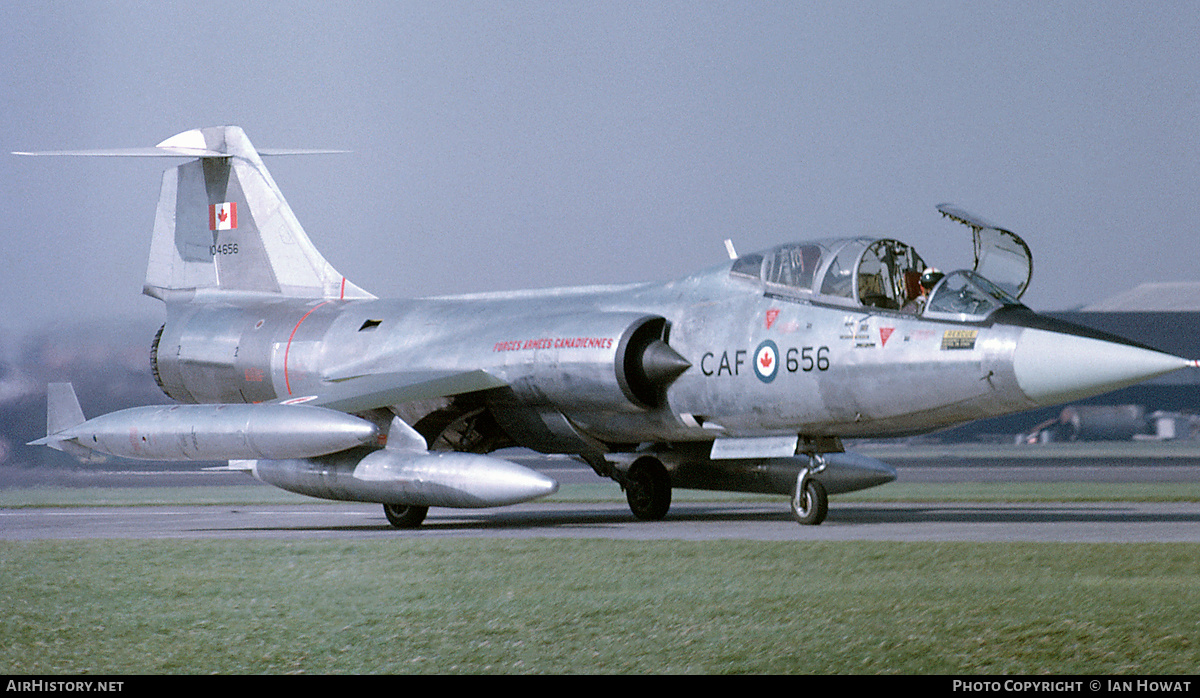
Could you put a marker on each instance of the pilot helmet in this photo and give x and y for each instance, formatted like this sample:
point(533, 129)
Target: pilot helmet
point(930, 278)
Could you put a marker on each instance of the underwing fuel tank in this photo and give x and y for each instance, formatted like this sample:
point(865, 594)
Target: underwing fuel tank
point(406, 473)
point(773, 474)
point(204, 432)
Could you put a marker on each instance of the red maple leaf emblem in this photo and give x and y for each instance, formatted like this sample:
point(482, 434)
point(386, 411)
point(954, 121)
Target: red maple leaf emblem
point(765, 360)
point(223, 215)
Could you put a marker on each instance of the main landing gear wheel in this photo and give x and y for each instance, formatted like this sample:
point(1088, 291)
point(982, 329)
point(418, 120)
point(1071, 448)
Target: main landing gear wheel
point(648, 489)
point(810, 503)
point(405, 515)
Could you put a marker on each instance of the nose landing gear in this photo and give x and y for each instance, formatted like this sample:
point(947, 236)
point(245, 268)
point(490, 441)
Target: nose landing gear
point(810, 503)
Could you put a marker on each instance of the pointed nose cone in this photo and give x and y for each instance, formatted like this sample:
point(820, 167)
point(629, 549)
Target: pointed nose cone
point(1054, 367)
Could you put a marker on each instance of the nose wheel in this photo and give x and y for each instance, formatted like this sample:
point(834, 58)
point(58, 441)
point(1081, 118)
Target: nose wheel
point(810, 503)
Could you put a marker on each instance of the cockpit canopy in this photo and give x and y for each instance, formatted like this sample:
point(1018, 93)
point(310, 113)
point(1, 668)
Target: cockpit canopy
point(863, 271)
point(889, 275)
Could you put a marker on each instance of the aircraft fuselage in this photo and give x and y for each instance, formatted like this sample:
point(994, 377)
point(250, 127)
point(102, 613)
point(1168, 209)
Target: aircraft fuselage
point(760, 365)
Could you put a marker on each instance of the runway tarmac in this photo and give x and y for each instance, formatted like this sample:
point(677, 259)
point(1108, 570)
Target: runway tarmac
point(763, 519)
point(569, 471)
point(692, 521)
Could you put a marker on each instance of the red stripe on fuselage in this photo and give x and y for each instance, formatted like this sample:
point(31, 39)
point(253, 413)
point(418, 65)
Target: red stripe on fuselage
point(287, 381)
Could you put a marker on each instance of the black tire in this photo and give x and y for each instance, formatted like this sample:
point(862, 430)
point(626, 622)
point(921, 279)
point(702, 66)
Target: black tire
point(813, 504)
point(405, 515)
point(648, 490)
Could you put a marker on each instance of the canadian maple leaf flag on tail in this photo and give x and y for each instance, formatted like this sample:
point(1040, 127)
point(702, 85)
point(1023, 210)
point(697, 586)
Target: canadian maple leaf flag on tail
point(222, 216)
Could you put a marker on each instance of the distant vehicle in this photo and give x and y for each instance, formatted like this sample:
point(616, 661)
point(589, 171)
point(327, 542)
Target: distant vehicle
point(742, 377)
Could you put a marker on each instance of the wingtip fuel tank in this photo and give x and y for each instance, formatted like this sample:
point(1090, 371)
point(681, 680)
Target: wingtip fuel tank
point(207, 432)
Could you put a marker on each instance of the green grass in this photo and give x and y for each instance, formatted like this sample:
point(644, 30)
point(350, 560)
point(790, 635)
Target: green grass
point(591, 606)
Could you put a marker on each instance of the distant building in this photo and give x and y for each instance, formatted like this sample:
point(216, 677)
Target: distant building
point(1162, 297)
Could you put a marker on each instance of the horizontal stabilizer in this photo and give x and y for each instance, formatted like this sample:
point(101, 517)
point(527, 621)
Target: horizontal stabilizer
point(159, 152)
point(189, 144)
point(131, 153)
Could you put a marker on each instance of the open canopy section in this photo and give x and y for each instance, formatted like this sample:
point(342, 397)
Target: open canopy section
point(1001, 256)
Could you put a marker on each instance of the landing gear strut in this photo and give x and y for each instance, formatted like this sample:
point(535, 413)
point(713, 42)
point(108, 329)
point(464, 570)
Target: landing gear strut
point(458, 428)
point(809, 502)
point(648, 489)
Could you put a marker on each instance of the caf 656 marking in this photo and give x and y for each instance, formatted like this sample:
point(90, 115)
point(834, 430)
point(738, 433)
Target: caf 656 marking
point(290, 371)
point(766, 361)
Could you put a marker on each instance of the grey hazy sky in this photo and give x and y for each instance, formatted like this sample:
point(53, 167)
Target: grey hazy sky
point(509, 145)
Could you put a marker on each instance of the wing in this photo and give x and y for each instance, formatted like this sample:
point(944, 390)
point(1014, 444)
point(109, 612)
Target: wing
point(370, 391)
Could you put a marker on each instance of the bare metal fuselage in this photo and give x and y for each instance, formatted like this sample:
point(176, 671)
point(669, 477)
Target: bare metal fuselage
point(833, 371)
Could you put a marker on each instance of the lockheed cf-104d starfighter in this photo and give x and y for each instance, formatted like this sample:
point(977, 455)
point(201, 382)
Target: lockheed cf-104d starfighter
point(743, 377)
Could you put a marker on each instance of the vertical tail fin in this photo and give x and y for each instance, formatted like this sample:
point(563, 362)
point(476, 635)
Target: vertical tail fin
point(223, 225)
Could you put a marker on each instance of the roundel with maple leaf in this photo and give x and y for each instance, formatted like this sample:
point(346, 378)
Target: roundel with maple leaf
point(766, 361)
